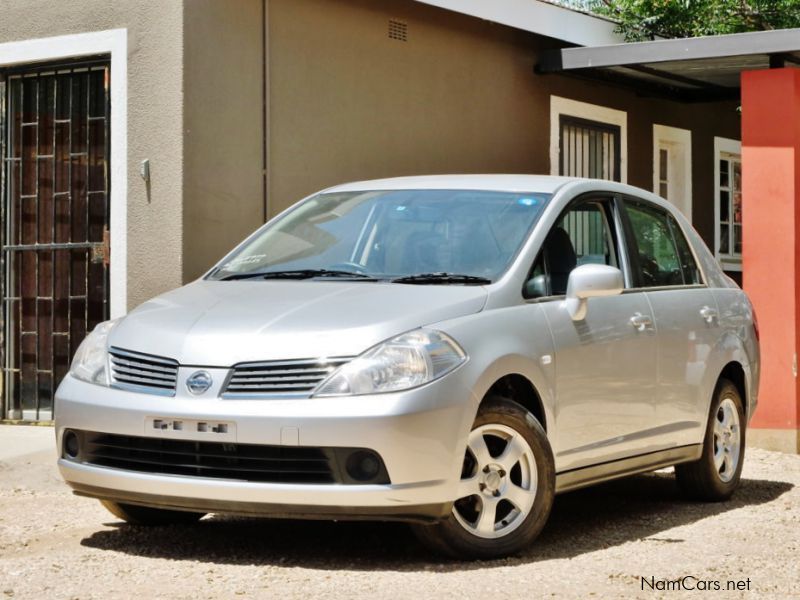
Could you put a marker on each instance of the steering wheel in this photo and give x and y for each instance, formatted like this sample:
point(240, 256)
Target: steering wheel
point(347, 266)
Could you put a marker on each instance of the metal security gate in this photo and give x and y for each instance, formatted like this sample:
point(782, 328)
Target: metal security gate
point(55, 210)
point(589, 149)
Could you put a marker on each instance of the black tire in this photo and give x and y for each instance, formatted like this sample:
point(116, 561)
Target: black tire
point(451, 538)
point(145, 515)
point(701, 480)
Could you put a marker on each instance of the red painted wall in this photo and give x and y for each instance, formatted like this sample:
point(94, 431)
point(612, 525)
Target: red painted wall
point(771, 230)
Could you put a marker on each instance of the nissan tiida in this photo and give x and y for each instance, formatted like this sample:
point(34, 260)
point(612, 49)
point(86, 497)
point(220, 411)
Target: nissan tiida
point(452, 351)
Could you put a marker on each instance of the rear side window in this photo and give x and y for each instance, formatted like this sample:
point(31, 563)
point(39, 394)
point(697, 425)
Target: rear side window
point(691, 274)
point(662, 254)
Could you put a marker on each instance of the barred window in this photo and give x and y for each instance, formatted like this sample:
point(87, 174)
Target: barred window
point(589, 149)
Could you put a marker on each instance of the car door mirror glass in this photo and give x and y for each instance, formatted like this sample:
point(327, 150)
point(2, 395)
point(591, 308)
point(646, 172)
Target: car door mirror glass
point(591, 281)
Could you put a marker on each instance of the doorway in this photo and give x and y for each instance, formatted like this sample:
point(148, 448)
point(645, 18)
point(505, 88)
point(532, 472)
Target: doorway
point(672, 166)
point(55, 191)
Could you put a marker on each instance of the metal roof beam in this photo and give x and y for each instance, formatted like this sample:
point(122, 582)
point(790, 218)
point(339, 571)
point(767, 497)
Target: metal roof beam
point(696, 83)
point(649, 89)
point(718, 46)
point(539, 17)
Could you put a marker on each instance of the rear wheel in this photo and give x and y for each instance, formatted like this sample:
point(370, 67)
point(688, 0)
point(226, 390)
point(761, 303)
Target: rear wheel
point(506, 489)
point(718, 472)
point(145, 515)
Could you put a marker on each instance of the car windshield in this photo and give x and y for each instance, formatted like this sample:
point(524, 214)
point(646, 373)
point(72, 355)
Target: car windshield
point(458, 236)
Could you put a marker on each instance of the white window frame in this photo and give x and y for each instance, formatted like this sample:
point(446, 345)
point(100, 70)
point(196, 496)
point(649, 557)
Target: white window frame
point(678, 143)
point(113, 42)
point(593, 112)
point(724, 146)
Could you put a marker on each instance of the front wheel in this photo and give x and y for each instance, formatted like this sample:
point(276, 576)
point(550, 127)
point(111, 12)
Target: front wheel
point(717, 474)
point(506, 489)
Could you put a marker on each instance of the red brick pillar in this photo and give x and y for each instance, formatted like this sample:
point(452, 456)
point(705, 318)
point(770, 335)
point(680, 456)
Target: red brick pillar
point(771, 240)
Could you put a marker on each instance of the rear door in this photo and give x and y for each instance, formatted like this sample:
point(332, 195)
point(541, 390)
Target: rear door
point(606, 363)
point(685, 314)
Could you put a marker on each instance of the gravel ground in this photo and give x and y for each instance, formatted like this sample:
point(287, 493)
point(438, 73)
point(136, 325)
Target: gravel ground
point(599, 542)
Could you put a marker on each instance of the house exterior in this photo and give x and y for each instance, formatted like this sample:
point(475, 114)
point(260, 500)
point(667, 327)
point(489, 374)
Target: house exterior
point(143, 139)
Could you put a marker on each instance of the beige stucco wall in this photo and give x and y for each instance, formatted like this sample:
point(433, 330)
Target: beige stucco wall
point(346, 102)
point(155, 98)
point(223, 127)
point(195, 110)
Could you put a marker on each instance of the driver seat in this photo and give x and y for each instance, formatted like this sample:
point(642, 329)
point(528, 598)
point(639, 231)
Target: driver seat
point(560, 259)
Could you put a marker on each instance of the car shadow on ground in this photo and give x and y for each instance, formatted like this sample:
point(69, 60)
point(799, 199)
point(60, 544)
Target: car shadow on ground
point(640, 507)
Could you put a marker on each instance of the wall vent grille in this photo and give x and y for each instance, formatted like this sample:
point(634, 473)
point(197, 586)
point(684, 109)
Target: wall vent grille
point(398, 30)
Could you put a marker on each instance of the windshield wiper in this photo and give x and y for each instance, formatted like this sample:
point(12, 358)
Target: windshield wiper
point(442, 278)
point(300, 274)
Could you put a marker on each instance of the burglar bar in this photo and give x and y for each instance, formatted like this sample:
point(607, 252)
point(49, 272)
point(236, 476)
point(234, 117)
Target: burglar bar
point(55, 194)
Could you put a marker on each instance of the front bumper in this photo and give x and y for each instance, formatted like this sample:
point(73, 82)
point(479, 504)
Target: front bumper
point(420, 435)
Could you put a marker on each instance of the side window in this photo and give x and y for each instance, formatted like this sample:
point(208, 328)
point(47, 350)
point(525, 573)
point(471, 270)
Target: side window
point(662, 259)
point(581, 236)
point(588, 231)
point(691, 274)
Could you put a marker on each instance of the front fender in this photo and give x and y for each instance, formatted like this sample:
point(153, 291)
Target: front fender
point(530, 369)
point(526, 350)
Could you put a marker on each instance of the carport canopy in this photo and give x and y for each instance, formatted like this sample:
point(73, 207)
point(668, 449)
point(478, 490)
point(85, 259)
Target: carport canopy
point(760, 70)
point(689, 70)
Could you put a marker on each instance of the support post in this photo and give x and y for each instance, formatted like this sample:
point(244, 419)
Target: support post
point(771, 240)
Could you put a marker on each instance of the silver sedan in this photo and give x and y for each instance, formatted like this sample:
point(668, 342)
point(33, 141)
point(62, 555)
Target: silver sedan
point(452, 351)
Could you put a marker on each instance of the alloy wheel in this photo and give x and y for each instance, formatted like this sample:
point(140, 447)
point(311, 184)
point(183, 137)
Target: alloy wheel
point(498, 482)
point(727, 440)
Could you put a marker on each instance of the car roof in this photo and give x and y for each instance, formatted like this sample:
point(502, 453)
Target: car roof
point(501, 183)
point(545, 184)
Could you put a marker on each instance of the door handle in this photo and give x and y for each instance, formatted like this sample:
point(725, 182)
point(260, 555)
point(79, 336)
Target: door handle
point(709, 314)
point(641, 322)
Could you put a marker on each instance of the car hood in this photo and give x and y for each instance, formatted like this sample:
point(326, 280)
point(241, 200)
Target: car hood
point(221, 323)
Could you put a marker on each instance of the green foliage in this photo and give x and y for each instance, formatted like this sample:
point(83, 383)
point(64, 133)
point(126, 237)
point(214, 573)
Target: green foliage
point(644, 19)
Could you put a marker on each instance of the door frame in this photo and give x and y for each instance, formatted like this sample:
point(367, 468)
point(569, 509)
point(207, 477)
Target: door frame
point(113, 42)
point(678, 143)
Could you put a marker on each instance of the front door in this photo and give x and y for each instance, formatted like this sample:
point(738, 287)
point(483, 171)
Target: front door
point(55, 239)
point(606, 363)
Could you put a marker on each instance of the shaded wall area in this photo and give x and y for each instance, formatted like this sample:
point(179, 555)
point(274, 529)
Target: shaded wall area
point(348, 102)
point(223, 196)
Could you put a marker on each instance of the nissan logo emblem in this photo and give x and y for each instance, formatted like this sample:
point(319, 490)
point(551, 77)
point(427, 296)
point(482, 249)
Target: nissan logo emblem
point(199, 382)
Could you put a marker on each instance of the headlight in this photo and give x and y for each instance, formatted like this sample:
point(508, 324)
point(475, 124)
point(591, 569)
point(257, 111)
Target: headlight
point(91, 360)
point(407, 361)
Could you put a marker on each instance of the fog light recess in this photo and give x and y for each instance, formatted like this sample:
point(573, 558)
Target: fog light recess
point(72, 445)
point(363, 465)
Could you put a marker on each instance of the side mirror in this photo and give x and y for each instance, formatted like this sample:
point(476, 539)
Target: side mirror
point(591, 281)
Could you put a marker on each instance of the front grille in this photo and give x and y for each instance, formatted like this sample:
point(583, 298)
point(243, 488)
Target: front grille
point(287, 377)
point(219, 460)
point(143, 372)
